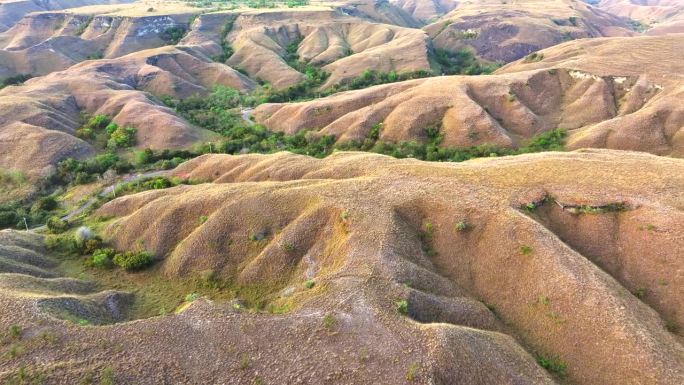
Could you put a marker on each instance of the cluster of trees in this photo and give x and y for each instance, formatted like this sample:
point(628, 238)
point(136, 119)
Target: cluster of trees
point(100, 128)
point(220, 112)
point(13, 214)
point(462, 62)
point(127, 260)
point(14, 80)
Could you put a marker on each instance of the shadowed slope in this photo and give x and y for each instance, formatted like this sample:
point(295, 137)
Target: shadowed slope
point(28, 276)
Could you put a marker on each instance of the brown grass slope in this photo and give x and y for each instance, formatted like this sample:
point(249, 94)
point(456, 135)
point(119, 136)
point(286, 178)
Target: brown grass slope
point(28, 277)
point(11, 11)
point(505, 31)
point(38, 119)
point(658, 125)
point(379, 11)
point(426, 10)
point(45, 42)
point(344, 46)
point(558, 279)
point(659, 16)
point(621, 93)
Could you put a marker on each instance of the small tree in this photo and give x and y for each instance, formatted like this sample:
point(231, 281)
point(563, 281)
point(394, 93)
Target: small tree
point(133, 260)
point(122, 138)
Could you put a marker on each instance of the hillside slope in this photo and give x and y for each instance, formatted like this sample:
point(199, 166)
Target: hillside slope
point(656, 16)
point(592, 88)
point(11, 11)
point(504, 31)
point(45, 42)
point(498, 260)
point(38, 120)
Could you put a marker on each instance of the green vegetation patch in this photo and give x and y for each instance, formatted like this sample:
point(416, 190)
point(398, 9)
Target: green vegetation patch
point(462, 62)
point(105, 133)
point(553, 364)
point(14, 80)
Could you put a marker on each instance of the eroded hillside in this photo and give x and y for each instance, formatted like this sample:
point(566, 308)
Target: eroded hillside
point(341, 192)
point(11, 11)
point(397, 269)
point(39, 120)
point(507, 31)
point(590, 88)
point(656, 17)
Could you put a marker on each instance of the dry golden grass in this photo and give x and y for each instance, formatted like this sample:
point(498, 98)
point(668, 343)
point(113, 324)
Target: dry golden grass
point(361, 215)
point(592, 88)
point(505, 31)
point(496, 259)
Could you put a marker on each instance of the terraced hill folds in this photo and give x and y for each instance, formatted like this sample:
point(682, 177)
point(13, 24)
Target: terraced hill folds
point(345, 38)
point(201, 192)
point(38, 120)
point(591, 88)
point(45, 42)
point(654, 16)
point(509, 30)
point(12, 11)
point(376, 270)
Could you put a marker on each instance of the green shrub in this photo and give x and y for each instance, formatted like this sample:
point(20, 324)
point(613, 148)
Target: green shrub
point(461, 62)
point(461, 226)
point(133, 260)
point(102, 258)
point(56, 225)
point(143, 157)
point(534, 57)
point(547, 141)
point(192, 297)
point(14, 80)
point(11, 178)
point(402, 307)
point(553, 364)
point(288, 247)
point(98, 122)
point(111, 128)
point(309, 283)
point(154, 183)
point(8, 218)
point(15, 332)
point(48, 203)
point(328, 321)
point(107, 376)
point(122, 138)
point(412, 372)
point(89, 246)
point(85, 133)
point(639, 292)
point(76, 171)
point(173, 35)
point(63, 243)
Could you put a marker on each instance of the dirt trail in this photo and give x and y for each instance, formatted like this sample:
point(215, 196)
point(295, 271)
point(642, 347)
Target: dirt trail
point(106, 191)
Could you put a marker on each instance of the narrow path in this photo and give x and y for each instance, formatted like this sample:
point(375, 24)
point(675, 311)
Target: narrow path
point(247, 114)
point(106, 191)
